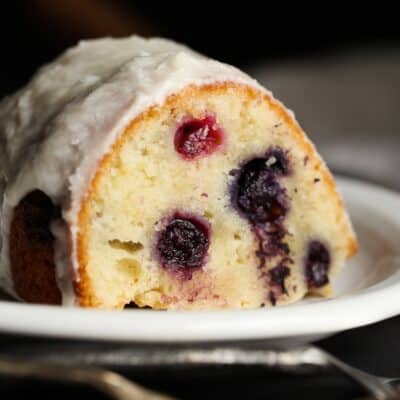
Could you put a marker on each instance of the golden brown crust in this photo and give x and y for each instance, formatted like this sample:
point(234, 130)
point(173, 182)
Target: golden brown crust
point(83, 288)
point(31, 250)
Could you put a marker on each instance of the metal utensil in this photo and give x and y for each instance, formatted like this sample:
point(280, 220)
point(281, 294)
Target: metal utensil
point(107, 382)
point(122, 389)
point(380, 387)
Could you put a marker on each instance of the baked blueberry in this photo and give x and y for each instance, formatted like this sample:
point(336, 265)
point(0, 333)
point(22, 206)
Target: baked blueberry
point(317, 264)
point(277, 277)
point(257, 192)
point(183, 243)
point(198, 137)
point(277, 161)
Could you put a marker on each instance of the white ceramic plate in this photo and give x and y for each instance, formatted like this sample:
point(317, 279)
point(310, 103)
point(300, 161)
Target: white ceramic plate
point(368, 290)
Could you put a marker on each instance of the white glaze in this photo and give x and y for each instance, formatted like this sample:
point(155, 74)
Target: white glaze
point(54, 131)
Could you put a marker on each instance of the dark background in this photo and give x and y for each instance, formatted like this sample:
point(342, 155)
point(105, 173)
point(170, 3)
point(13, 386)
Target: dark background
point(240, 32)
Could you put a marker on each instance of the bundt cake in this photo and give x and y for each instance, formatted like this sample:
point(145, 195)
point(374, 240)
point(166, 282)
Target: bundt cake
point(136, 171)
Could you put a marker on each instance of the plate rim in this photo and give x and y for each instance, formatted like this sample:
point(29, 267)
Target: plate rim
point(370, 305)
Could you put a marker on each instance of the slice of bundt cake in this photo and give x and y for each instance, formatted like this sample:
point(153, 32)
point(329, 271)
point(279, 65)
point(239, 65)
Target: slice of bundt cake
point(138, 171)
